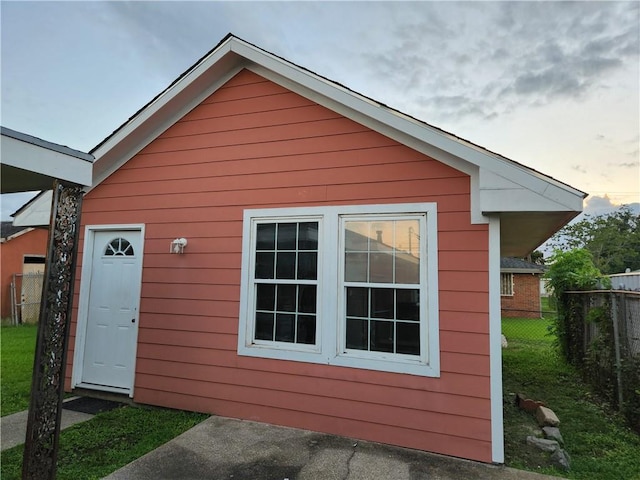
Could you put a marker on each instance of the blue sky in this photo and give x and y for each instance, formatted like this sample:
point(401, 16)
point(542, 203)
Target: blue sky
point(554, 86)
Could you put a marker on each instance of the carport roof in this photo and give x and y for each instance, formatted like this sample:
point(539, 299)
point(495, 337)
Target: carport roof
point(30, 163)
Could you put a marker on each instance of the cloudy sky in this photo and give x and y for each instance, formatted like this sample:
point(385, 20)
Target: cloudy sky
point(554, 86)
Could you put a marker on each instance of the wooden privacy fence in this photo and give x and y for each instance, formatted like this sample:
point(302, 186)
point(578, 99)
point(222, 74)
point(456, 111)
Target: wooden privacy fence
point(603, 338)
point(26, 293)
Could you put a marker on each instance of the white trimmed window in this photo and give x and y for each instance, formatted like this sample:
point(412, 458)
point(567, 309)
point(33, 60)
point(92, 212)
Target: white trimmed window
point(506, 284)
point(353, 286)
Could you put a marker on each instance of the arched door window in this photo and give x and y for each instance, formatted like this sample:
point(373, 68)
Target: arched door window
point(119, 247)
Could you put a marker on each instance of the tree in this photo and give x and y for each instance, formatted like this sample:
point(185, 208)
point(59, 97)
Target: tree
point(572, 270)
point(613, 240)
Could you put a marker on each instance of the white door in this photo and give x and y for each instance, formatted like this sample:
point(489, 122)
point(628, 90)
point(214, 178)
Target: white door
point(112, 316)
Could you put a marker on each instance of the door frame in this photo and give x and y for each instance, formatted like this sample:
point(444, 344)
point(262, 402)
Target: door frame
point(83, 305)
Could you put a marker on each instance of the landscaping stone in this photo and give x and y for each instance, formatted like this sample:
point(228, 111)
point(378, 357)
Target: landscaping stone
point(527, 404)
point(546, 417)
point(543, 443)
point(553, 433)
point(505, 344)
point(560, 458)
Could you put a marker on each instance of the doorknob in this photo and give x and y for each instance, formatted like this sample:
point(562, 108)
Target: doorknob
point(133, 320)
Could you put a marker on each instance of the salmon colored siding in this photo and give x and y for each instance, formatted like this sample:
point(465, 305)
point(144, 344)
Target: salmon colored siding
point(253, 144)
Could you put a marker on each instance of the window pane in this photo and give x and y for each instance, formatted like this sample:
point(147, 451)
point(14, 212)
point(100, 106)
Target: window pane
point(408, 341)
point(264, 326)
point(286, 265)
point(266, 236)
point(266, 297)
point(307, 298)
point(306, 329)
point(355, 268)
point(381, 236)
point(381, 336)
point(408, 305)
point(382, 303)
point(287, 236)
point(307, 265)
point(286, 298)
point(264, 264)
point(408, 237)
point(358, 302)
point(357, 333)
point(308, 236)
point(357, 236)
point(285, 327)
point(381, 265)
point(407, 269)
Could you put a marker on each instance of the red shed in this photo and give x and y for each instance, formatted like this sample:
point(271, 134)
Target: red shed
point(263, 243)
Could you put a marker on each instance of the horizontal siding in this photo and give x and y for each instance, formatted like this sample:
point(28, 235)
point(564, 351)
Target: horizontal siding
point(253, 144)
point(411, 438)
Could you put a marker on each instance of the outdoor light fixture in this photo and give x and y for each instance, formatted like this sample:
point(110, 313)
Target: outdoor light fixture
point(177, 246)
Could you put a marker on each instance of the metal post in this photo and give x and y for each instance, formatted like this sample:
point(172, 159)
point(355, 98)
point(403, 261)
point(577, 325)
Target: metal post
point(14, 308)
point(47, 387)
point(616, 343)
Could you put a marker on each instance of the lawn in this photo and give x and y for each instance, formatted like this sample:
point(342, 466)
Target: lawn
point(110, 440)
point(600, 445)
point(91, 449)
point(18, 346)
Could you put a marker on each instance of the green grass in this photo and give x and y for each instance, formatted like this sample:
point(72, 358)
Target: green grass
point(110, 440)
point(18, 346)
point(600, 445)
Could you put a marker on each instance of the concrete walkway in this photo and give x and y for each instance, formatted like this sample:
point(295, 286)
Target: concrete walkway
point(13, 428)
point(225, 448)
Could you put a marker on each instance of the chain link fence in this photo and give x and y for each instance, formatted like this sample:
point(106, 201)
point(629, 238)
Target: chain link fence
point(603, 341)
point(26, 292)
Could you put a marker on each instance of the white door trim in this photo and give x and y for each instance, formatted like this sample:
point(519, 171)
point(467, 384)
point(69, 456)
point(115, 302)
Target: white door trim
point(83, 304)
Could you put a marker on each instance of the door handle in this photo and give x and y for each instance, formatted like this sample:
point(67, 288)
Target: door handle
point(133, 320)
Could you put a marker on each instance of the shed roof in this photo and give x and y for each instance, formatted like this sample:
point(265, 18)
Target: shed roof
point(532, 206)
point(7, 229)
point(518, 265)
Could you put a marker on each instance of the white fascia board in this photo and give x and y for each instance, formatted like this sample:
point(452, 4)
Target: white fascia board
point(435, 143)
point(383, 128)
point(44, 161)
point(37, 213)
point(166, 110)
point(233, 55)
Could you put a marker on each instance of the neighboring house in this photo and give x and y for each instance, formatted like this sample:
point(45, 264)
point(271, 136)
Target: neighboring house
point(520, 288)
point(629, 280)
point(22, 251)
point(341, 260)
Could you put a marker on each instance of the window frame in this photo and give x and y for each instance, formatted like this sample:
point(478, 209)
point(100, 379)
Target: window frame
point(503, 283)
point(330, 311)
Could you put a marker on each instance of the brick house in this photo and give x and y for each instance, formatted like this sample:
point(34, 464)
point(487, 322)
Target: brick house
point(520, 288)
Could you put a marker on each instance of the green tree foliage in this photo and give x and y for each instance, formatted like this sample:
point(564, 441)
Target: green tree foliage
point(571, 270)
point(613, 240)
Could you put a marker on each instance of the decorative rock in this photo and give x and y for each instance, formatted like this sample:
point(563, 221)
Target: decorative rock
point(543, 443)
point(505, 344)
point(527, 404)
point(546, 416)
point(561, 459)
point(553, 433)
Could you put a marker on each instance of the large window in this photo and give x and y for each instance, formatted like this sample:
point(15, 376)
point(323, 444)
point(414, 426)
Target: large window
point(285, 279)
point(351, 286)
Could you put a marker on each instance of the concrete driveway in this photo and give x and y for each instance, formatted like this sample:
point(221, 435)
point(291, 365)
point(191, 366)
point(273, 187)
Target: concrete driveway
point(225, 448)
